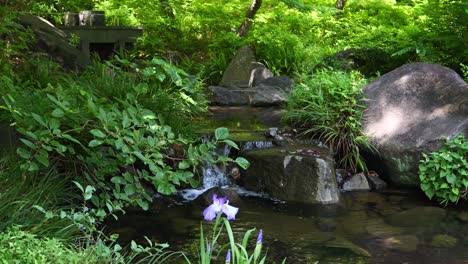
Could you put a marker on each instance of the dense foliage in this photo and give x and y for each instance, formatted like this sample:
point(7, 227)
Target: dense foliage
point(327, 106)
point(103, 139)
point(444, 173)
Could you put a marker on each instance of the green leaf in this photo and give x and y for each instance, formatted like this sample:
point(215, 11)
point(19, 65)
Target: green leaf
point(118, 180)
point(231, 143)
point(97, 133)
point(129, 189)
point(33, 166)
point(58, 113)
point(88, 193)
point(28, 143)
point(43, 158)
point(94, 143)
point(221, 133)
point(243, 163)
point(54, 123)
point(23, 153)
point(39, 119)
point(184, 165)
point(451, 178)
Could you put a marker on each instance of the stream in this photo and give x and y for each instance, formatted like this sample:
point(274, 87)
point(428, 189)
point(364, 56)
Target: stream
point(391, 226)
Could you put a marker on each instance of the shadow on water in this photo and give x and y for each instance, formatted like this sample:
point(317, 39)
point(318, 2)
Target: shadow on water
point(391, 227)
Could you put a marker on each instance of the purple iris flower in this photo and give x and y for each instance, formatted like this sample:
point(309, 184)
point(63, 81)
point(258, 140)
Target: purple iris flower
point(260, 236)
point(220, 205)
point(228, 256)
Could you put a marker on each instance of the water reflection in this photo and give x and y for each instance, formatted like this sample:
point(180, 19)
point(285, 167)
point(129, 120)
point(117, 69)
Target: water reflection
point(394, 227)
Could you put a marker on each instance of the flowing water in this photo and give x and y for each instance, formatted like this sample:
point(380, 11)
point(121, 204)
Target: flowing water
point(368, 227)
point(393, 226)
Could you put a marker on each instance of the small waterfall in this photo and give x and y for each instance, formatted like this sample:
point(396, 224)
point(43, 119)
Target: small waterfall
point(214, 175)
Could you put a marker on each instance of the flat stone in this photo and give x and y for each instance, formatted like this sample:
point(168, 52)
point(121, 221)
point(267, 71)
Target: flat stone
point(444, 241)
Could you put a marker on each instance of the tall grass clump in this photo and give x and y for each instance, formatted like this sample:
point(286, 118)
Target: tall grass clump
point(327, 106)
point(20, 192)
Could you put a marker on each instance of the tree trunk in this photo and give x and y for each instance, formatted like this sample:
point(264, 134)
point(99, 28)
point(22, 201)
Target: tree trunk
point(249, 16)
point(340, 4)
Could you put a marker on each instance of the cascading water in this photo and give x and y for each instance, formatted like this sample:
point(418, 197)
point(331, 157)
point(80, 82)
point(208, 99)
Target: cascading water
point(214, 175)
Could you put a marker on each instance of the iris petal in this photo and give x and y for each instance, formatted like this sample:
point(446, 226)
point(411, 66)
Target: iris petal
point(230, 211)
point(222, 200)
point(211, 211)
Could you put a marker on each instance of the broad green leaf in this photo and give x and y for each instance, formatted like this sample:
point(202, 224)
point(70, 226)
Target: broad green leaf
point(58, 113)
point(23, 153)
point(129, 189)
point(43, 158)
point(451, 178)
point(231, 143)
point(39, 119)
point(184, 165)
point(94, 143)
point(243, 163)
point(118, 180)
point(221, 133)
point(97, 133)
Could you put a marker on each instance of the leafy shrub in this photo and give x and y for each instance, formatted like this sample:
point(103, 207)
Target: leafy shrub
point(444, 173)
point(327, 106)
point(17, 246)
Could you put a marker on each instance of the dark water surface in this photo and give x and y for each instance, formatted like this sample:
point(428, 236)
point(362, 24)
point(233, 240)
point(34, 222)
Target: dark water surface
point(367, 227)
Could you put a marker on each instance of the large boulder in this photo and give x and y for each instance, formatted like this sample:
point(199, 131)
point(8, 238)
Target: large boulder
point(408, 111)
point(298, 173)
point(237, 74)
point(54, 42)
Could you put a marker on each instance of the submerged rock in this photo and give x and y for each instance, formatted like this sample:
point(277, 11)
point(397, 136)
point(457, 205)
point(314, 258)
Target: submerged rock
point(408, 111)
point(405, 243)
point(291, 175)
point(422, 216)
point(444, 241)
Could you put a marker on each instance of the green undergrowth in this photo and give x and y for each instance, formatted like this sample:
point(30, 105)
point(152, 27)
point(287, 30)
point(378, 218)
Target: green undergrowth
point(444, 173)
point(327, 106)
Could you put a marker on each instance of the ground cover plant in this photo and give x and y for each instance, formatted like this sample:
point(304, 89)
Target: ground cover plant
point(444, 173)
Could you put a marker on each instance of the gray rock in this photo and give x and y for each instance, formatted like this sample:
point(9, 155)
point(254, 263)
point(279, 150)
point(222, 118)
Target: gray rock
point(54, 42)
point(357, 182)
point(272, 91)
point(225, 96)
point(408, 111)
point(375, 182)
point(291, 176)
point(238, 72)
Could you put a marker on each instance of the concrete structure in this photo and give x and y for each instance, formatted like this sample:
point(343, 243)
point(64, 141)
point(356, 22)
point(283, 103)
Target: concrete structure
point(102, 39)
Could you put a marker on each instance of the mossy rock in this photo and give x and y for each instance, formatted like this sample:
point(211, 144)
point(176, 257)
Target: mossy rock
point(444, 241)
